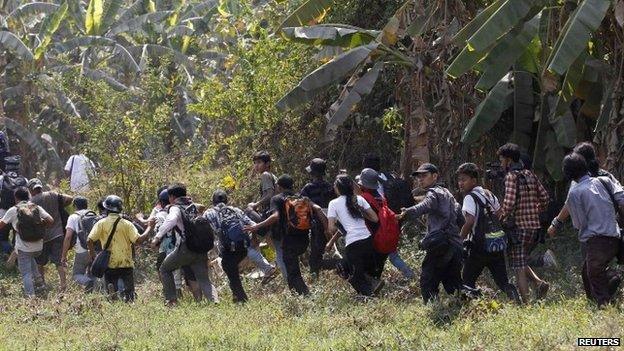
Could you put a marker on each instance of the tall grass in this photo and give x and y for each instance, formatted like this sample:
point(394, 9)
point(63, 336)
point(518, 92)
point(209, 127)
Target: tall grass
point(331, 319)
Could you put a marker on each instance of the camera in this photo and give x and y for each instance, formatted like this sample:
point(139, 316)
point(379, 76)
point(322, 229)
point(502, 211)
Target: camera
point(494, 171)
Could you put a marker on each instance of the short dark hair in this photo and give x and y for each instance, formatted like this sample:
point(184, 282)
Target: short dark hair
point(510, 150)
point(586, 149)
point(100, 204)
point(219, 197)
point(574, 166)
point(177, 190)
point(286, 182)
point(470, 169)
point(81, 203)
point(263, 156)
point(21, 194)
point(371, 161)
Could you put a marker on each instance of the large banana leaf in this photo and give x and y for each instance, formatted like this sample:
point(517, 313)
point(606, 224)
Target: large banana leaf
point(31, 139)
point(489, 111)
point(465, 61)
point(110, 12)
point(137, 23)
point(309, 13)
point(201, 9)
point(332, 35)
point(506, 53)
point(56, 97)
point(553, 155)
point(606, 109)
point(476, 23)
point(86, 41)
point(12, 43)
point(29, 9)
point(95, 74)
point(561, 118)
point(137, 8)
point(576, 34)
point(78, 13)
point(506, 17)
point(423, 21)
point(49, 27)
point(93, 19)
point(352, 94)
point(329, 73)
point(524, 109)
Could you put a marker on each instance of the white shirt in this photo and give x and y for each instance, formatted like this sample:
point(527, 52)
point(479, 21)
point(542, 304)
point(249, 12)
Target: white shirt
point(81, 169)
point(173, 220)
point(10, 217)
point(471, 208)
point(355, 227)
point(73, 223)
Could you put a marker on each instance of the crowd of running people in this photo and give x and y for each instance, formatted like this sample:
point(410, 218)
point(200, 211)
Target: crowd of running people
point(350, 226)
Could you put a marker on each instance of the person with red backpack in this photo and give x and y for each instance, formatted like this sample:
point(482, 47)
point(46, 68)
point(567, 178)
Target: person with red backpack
point(291, 216)
point(386, 230)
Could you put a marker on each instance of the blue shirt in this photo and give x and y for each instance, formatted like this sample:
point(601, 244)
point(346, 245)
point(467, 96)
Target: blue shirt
point(591, 208)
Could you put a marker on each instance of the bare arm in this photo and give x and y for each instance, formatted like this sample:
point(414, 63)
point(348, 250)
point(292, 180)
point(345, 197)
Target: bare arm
point(91, 249)
point(69, 234)
point(266, 223)
point(143, 237)
point(467, 227)
point(371, 215)
point(331, 228)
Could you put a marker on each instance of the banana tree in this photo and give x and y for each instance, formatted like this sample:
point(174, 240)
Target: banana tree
point(366, 53)
point(546, 49)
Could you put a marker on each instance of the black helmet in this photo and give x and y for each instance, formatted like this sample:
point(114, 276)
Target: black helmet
point(219, 196)
point(113, 203)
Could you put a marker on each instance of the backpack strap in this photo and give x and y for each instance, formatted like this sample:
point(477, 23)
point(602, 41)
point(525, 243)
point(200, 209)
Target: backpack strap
point(110, 237)
point(612, 196)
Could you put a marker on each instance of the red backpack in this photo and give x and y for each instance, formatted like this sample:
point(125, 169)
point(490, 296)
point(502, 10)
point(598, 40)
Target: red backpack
point(386, 238)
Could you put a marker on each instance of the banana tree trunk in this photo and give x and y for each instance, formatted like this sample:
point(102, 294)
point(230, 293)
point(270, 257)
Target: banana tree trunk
point(416, 150)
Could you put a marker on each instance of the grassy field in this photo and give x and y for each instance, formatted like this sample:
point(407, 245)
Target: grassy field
point(332, 319)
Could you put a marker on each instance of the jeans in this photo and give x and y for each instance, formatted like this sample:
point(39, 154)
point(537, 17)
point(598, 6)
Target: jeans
point(6, 247)
point(495, 263)
point(599, 252)
point(279, 258)
point(80, 271)
point(443, 267)
point(126, 275)
point(398, 262)
point(294, 246)
point(229, 262)
point(360, 256)
point(256, 257)
point(182, 256)
point(29, 270)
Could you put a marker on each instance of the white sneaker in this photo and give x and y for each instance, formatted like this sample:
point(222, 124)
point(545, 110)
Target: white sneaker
point(550, 261)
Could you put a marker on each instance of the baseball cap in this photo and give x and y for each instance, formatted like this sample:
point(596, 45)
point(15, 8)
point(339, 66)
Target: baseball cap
point(317, 165)
point(35, 183)
point(426, 168)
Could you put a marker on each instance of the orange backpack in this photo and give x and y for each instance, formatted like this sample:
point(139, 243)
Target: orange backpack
point(299, 212)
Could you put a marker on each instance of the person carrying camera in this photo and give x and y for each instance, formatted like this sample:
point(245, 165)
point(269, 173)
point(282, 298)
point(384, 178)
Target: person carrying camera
point(479, 233)
point(525, 198)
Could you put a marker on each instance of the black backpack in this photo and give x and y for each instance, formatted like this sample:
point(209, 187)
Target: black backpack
point(8, 183)
point(398, 193)
point(85, 224)
point(488, 236)
point(198, 233)
point(233, 237)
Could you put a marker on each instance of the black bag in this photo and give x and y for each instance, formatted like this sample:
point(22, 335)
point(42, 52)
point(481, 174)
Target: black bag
point(100, 263)
point(198, 232)
point(8, 183)
point(488, 234)
point(398, 193)
point(85, 223)
point(233, 237)
point(619, 216)
point(435, 241)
